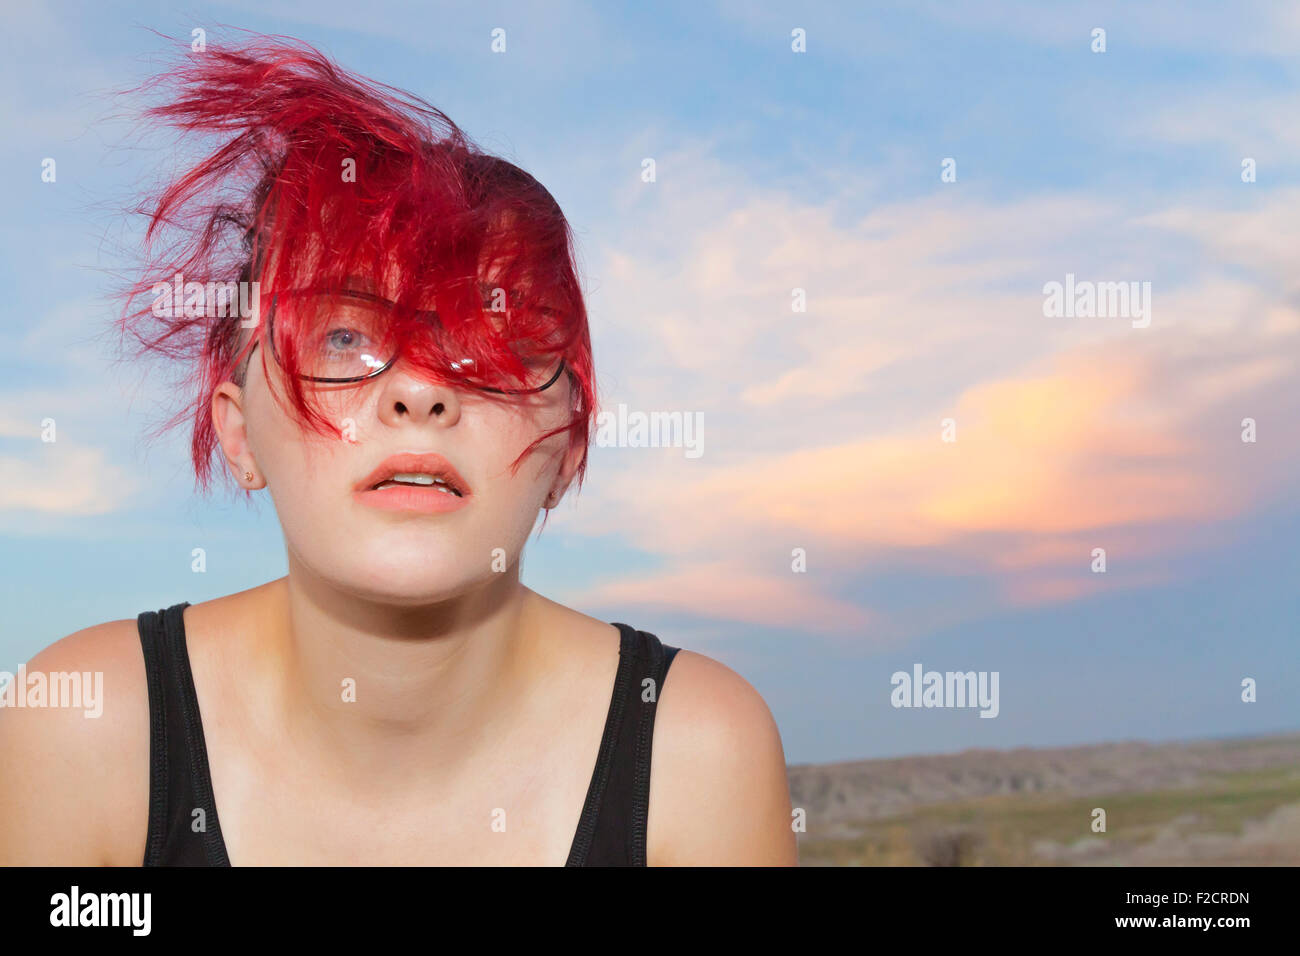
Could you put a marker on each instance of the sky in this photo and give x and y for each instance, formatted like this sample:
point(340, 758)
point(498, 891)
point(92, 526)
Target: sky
point(840, 268)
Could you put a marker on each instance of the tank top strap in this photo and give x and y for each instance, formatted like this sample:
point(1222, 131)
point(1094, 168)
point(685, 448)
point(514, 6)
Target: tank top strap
point(612, 829)
point(179, 782)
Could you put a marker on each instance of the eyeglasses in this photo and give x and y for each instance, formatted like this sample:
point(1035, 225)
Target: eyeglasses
point(348, 338)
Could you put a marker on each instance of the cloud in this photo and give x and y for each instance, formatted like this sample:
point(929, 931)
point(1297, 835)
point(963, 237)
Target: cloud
point(1247, 27)
point(727, 590)
point(65, 377)
point(1082, 445)
point(823, 429)
point(64, 479)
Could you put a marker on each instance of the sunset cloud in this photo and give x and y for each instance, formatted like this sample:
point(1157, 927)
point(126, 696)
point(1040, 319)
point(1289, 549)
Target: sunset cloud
point(1070, 434)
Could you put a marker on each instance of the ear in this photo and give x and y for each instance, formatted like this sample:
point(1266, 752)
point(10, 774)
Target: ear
point(568, 470)
point(232, 433)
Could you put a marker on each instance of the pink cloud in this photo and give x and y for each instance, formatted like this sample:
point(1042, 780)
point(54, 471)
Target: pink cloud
point(1070, 435)
point(731, 591)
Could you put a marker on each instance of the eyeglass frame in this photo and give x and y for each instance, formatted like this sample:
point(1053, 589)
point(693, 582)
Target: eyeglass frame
point(371, 297)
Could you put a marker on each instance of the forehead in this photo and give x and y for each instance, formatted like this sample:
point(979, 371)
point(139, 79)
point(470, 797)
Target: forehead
point(504, 282)
point(494, 259)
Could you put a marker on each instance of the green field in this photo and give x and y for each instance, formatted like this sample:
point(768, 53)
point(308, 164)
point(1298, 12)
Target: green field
point(1223, 819)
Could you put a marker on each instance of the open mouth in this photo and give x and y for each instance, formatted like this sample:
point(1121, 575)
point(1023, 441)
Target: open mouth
point(420, 479)
point(414, 482)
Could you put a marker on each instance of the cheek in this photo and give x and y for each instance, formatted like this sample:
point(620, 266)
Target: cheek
point(306, 473)
point(509, 431)
point(490, 444)
point(282, 448)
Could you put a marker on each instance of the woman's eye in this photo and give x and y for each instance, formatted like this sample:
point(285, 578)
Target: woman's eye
point(342, 340)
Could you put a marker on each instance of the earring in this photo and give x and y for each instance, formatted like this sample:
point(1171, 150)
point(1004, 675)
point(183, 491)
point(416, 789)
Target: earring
point(248, 476)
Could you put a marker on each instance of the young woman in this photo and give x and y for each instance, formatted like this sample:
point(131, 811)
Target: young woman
point(412, 382)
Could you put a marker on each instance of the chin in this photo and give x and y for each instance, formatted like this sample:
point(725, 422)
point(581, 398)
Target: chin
point(407, 579)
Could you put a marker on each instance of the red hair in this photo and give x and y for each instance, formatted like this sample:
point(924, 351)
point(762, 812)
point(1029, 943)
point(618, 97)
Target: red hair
point(423, 207)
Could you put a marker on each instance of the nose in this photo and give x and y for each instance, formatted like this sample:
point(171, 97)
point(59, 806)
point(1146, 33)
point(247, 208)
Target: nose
point(406, 398)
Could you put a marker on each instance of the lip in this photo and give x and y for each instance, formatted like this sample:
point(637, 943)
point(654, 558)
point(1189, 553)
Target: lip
point(418, 498)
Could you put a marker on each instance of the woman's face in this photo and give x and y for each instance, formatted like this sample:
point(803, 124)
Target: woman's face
point(402, 557)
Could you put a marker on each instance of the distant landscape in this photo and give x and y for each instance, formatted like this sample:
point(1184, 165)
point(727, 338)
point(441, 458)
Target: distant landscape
point(1197, 803)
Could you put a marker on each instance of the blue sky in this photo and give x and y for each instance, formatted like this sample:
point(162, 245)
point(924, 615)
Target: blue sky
point(779, 170)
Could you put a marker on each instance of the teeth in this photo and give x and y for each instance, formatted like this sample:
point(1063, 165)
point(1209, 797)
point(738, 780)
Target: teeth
point(419, 478)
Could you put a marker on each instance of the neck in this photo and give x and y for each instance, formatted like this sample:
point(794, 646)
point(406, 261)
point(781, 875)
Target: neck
point(377, 692)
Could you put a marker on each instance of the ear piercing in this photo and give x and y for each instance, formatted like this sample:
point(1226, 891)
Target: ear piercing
point(248, 476)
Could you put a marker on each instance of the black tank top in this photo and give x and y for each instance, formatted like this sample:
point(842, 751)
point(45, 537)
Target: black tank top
point(611, 831)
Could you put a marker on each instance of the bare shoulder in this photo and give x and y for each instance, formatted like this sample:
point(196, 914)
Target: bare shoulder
point(718, 788)
point(74, 742)
point(587, 646)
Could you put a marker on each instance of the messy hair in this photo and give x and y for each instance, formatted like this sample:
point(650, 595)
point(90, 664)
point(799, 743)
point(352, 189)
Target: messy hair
point(320, 176)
